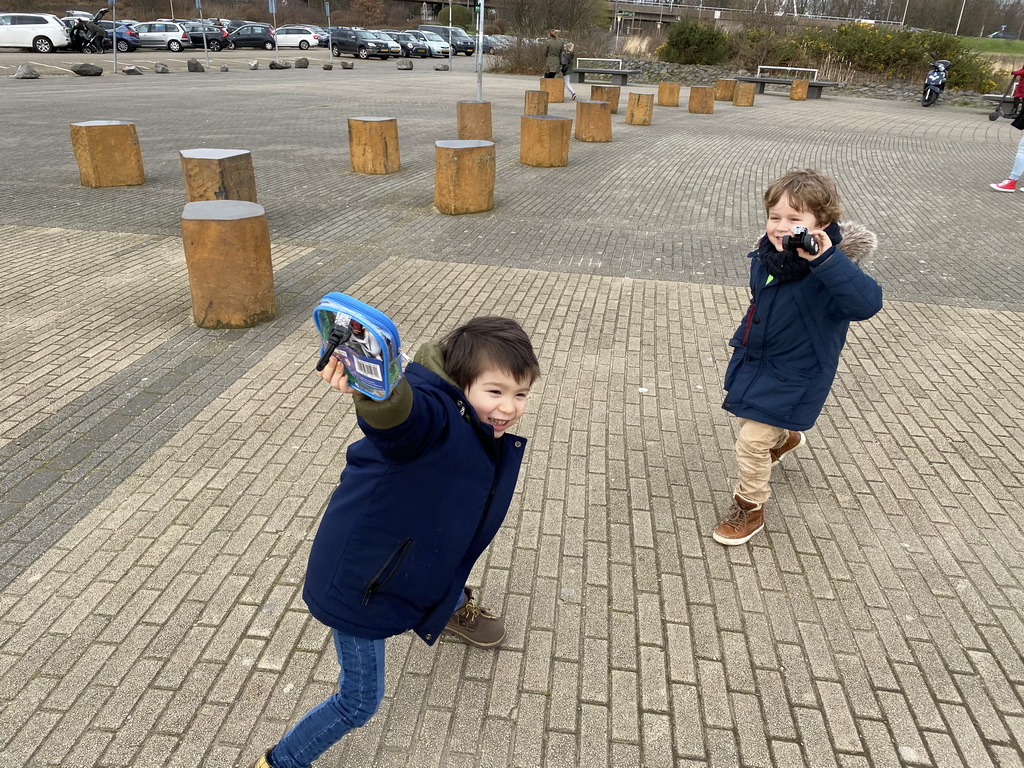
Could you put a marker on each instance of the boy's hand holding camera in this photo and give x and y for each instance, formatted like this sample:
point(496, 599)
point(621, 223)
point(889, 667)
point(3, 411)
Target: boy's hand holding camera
point(807, 244)
point(334, 374)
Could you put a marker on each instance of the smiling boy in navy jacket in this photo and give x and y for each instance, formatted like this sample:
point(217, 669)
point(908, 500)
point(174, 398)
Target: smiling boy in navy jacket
point(786, 349)
point(420, 498)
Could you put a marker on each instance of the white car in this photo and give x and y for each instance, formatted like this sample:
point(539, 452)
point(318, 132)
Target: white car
point(40, 31)
point(296, 37)
point(436, 43)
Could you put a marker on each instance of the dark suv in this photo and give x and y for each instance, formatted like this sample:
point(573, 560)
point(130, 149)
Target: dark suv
point(358, 42)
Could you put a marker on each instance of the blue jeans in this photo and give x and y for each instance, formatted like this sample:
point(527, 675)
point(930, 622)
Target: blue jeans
point(1018, 162)
point(360, 690)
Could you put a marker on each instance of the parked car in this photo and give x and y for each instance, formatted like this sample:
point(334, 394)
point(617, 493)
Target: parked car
point(252, 36)
point(457, 37)
point(163, 34)
point(216, 37)
point(42, 32)
point(1003, 35)
point(410, 45)
point(127, 38)
point(393, 47)
point(493, 44)
point(436, 44)
point(358, 42)
point(296, 37)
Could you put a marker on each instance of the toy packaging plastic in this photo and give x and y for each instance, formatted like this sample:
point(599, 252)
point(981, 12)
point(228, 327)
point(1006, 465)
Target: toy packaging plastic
point(364, 339)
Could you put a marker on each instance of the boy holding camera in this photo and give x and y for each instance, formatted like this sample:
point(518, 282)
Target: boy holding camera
point(806, 288)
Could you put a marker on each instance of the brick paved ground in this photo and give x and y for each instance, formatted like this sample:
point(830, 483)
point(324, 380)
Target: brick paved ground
point(161, 484)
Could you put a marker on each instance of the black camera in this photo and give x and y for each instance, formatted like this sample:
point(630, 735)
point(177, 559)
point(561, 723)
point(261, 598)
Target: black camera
point(800, 238)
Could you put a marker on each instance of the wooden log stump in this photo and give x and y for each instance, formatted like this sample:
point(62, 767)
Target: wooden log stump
point(640, 109)
point(464, 176)
point(474, 118)
point(609, 93)
point(743, 95)
point(668, 93)
point(554, 87)
point(373, 144)
point(593, 121)
point(108, 153)
point(544, 140)
point(725, 89)
point(798, 90)
point(218, 174)
point(536, 103)
point(227, 251)
point(702, 100)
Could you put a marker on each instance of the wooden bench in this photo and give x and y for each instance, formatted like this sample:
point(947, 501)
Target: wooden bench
point(814, 88)
point(618, 76)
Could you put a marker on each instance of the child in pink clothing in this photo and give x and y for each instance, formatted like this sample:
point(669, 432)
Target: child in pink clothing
point(1018, 92)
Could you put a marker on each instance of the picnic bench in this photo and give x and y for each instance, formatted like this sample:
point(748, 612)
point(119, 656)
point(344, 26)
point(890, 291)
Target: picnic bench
point(618, 76)
point(814, 87)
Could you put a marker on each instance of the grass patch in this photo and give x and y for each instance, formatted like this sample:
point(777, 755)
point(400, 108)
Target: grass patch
point(989, 45)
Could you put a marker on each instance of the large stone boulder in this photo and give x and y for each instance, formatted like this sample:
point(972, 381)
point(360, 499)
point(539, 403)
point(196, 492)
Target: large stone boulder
point(441, 67)
point(160, 68)
point(224, 68)
point(131, 69)
point(26, 72)
point(302, 63)
point(328, 66)
point(280, 65)
point(405, 64)
point(87, 70)
point(348, 65)
point(195, 66)
point(254, 64)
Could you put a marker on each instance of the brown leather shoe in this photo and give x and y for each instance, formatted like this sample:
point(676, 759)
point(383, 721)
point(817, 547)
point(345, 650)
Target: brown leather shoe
point(745, 519)
point(794, 440)
point(476, 625)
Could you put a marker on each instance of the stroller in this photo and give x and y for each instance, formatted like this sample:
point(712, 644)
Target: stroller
point(89, 36)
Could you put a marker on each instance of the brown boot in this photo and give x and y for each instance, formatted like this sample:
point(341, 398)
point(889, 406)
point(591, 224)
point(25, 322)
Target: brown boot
point(745, 518)
point(476, 625)
point(794, 440)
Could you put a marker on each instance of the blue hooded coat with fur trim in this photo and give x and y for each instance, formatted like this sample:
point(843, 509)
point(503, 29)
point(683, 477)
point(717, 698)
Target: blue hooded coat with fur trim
point(417, 504)
point(786, 349)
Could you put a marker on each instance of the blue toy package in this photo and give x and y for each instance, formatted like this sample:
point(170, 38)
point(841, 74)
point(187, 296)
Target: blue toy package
point(364, 339)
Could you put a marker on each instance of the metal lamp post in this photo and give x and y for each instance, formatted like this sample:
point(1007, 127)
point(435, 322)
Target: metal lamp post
point(962, 6)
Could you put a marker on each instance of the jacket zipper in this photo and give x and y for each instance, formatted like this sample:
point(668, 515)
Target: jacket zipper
point(387, 571)
point(750, 317)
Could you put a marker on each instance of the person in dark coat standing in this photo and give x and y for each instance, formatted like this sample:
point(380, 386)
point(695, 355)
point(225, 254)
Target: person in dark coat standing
point(786, 349)
point(422, 495)
point(553, 55)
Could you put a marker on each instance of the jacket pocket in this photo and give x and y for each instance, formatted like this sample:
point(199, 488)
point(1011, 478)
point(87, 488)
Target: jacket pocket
point(734, 366)
point(387, 571)
point(778, 391)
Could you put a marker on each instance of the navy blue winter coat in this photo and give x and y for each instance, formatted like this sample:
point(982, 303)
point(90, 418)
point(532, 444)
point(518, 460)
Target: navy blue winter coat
point(417, 504)
point(786, 349)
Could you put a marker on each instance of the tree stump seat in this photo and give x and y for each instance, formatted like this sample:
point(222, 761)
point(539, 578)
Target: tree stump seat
point(227, 251)
point(474, 120)
point(107, 153)
point(464, 176)
point(640, 108)
point(554, 87)
point(609, 93)
point(668, 93)
point(373, 145)
point(702, 100)
point(218, 174)
point(544, 140)
point(593, 120)
point(535, 103)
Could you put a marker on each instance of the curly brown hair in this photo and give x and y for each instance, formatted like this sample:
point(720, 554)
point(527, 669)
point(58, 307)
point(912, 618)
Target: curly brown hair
point(807, 190)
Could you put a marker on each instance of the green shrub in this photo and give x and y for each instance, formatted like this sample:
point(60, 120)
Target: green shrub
point(460, 16)
point(692, 43)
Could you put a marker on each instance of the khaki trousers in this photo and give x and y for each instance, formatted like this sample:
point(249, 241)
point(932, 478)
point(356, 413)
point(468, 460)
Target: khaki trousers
point(755, 463)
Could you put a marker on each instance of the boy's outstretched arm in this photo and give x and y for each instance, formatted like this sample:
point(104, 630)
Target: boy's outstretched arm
point(379, 414)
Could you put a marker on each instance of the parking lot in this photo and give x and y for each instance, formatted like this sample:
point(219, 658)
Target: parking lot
point(160, 483)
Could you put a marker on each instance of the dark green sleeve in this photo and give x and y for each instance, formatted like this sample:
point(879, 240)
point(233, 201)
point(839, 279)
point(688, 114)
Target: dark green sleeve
point(385, 414)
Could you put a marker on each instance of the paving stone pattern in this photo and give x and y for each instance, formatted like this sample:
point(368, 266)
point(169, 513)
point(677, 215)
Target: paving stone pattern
point(160, 484)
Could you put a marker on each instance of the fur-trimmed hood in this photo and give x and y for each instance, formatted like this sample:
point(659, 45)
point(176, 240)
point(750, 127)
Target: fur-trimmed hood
point(858, 242)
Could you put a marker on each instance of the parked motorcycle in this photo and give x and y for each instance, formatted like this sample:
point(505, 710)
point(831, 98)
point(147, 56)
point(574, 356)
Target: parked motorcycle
point(934, 82)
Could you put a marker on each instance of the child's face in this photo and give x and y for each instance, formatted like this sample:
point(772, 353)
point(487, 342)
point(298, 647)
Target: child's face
point(782, 217)
point(498, 399)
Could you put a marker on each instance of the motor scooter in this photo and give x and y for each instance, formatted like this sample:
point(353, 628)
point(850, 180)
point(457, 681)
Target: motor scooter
point(934, 82)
